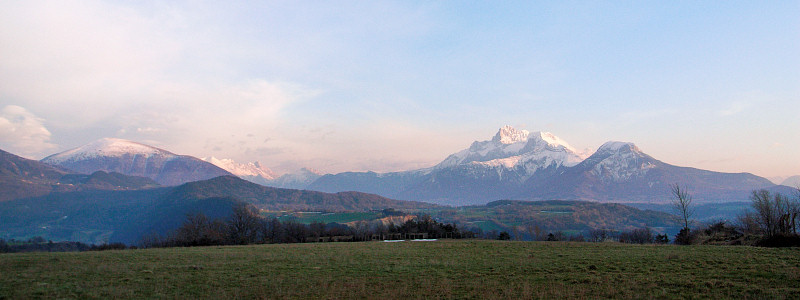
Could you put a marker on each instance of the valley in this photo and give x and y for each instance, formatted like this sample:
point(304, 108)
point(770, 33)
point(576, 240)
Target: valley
point(114, 190)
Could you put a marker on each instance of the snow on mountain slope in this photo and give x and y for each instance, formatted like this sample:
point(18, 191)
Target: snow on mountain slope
point(621, 172)
point(487, 170)
point(517, 164)
point(136, 159)
point(105, 147)
point(254, 169)
point(622, 161)
point(511, 148)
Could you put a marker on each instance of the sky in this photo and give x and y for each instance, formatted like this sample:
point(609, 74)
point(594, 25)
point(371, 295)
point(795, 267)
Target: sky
point(398, 85)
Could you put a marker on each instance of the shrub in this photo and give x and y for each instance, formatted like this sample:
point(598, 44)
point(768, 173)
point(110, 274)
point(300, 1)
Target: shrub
point(683, 237)
point(637, 236)
point(504, 236)
point(780, 240)
point(662, 239)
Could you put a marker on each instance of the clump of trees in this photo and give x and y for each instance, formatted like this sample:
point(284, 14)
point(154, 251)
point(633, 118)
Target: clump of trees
point(637, 236)
point(773, 221)
point(718, 233)
point(775, 217)
point(633, 236)
point(245, 226)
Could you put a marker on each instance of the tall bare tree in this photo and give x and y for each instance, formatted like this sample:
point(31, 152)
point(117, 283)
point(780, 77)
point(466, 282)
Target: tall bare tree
point(682, 203)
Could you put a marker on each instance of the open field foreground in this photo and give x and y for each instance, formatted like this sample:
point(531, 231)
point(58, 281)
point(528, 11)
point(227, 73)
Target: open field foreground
point(441, 269)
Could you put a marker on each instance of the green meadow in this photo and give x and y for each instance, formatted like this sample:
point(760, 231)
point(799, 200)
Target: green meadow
point(475, 269)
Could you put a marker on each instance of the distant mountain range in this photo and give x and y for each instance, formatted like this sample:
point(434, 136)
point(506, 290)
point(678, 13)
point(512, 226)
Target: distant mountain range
point(38, 199)
point(517, 164)
point(257, 173)
point(114, 190)
point(514, 164)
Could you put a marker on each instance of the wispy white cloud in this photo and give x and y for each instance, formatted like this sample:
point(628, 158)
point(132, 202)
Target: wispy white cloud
point(390, 85)
point(23, 133)
point(149, 72)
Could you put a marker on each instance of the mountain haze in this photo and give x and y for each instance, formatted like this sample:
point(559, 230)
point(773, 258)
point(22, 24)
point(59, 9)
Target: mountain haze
point(295, 180)
point(254, 171)
point(792, 181)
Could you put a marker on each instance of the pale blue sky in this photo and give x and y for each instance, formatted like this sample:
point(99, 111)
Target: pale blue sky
point(386, 86)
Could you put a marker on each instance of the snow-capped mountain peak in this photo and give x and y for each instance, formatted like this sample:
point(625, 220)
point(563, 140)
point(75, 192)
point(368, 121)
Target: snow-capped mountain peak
point(511, 147)
point(620, 161)
point(509, 135)
point(110, 147)
point(540, 140)
point(136, 159)
point(238, 169)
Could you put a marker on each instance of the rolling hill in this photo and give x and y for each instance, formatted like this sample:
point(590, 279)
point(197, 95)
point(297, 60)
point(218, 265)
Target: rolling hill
point(98, 216)
point(22, 178)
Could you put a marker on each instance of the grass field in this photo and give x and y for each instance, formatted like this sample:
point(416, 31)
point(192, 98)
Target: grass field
point(441, 269)
point(325, 218)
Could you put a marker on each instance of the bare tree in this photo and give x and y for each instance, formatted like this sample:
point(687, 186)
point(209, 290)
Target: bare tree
point(682, 203)
point(794, 210)
point(748, 223)
point(193, 231)
point(776, 214)
point(599, 235)
point(761, 201)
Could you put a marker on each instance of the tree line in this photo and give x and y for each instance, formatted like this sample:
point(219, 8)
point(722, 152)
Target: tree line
point(244, 226)
point(633, 236)
point(39, 244)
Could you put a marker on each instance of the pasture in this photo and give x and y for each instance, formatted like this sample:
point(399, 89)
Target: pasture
point(440, 269)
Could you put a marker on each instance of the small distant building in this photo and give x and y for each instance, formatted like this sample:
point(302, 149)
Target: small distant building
point(416, 236)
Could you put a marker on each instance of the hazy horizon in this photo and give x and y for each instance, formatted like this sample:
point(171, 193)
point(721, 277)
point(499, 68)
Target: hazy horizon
point(391, 86)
